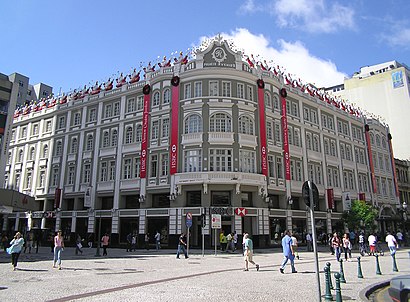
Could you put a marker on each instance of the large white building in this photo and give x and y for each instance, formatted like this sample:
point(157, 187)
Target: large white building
point(212, 135)
point(383, 90)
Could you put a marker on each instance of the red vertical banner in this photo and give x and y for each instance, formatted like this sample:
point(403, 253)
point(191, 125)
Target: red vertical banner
point(173, 152)
point(284, 118)
point(262, 126)
point(145, 126)
point(369, 152)
point(57, 198)
point(393, 165)
point(330, 199)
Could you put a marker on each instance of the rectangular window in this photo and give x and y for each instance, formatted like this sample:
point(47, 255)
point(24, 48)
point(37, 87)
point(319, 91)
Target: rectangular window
point(220, 198)
point(165, 127)
point(131, 105)
point(155, 130)
point(137, 167)
point(116, 109)
point(103, 171)
point(61, 122)
point(220, 160)
point(295, 109)
point(71, 174)
point(277, 133)
point(240, 91)
point(198, 89)
point(269, 130)
point(127, 168)
point(140, 103)
point(23, 133)
point(34, 130)
point(249, 93)
point(226, 89)
point(108, 111)
point(87, 173)
point(213, 88)
point(192, 161)
point(111, 170)
point(164, 164)
point(55, 177)
point(271, 165)
point(48, 126)
point(42, 179)
point(279, 167)
point(77, 118)
point(187, 91)
point(247, 161)
point(154, 165)
point(92, 115)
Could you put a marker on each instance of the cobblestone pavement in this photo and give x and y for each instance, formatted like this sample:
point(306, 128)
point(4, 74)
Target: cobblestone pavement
point(159, 276)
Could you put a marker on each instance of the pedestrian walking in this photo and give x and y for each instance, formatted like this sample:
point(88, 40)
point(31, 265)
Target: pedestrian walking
point(4, 241)
point(295, 245)
point(362, 245)
point(78, 245)
point(15, 248)
point(235, 240)
point(347, 246)
point(105, 241)
point(229, 240)
point(399, 236)
point(157, 241)
point(336, 244)
point(129, 242)
point(372, 243)
point(182, 246)
point(391, 243)
point(90, 240)
point(248, 253)
point(28, 242)
point(134, 242)
point(309, 242)
point(222, 240)
point(146, 240)
point(58, 249)
point(288, 253)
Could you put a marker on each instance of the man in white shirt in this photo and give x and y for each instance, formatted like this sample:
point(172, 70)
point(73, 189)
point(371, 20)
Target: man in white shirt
point(399, 236)
point(309, 242)
point(391, 243)
point(372, 244)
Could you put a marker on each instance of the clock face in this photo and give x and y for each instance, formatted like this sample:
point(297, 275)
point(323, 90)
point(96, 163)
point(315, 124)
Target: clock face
point(219, 54)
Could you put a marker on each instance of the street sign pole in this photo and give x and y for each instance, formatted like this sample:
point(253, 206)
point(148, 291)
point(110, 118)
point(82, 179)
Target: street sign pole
point(203, 229)
point(187, 243)
point(312, 218)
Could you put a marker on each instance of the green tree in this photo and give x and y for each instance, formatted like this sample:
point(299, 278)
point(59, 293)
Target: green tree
point(361, 215)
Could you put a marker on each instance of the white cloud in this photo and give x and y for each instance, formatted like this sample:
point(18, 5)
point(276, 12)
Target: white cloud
point(293, 56)
point(398, 37)
point(316, 16)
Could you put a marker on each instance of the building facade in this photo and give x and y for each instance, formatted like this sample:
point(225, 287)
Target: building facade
point(215, 134)
point(383, 90)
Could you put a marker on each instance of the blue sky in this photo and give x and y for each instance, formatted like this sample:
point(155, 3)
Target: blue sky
point(67, 44)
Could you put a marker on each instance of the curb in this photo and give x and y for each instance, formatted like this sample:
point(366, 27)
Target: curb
point(367, 291)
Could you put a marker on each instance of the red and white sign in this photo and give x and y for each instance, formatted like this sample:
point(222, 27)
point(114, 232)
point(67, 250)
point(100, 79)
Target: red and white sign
point(262, 131)
point(241, 212)
point(189, 216)
point(216, 221)
point(285, 139)
point(174, 130)
point(144, 138)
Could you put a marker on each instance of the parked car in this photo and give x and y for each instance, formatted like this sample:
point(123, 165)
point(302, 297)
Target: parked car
point(399, 289)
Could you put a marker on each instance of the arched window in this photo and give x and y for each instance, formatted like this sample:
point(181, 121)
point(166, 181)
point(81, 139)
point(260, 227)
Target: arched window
point(45, 151)
point(32, 152)
point(138, 136)
point(20, 156)
point(342, 152)
point(90, 142)
point(114, 138)
point(220, 122)
point(384, 144)
point(167, 96)
point(129, 134)
point(377, 140)
point(371, 139)
point(193, 124)
point(308, 141)
point(268, 100)
point(106, 139)
point(74, 145)
point(155, 99)
point(275, 102)
point(316, 143)
point(246, 125)
point(326, 146)
point(333, 151)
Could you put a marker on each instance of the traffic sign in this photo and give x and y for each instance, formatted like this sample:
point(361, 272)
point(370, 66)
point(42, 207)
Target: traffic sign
point(241, 212)
point(306, 195)
point(188, 220)
point(216, 221)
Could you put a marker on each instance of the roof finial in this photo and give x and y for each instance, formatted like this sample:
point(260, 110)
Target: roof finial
point(219, 38)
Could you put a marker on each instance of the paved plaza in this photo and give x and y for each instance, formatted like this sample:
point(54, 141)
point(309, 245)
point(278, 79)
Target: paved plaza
point(159, 276)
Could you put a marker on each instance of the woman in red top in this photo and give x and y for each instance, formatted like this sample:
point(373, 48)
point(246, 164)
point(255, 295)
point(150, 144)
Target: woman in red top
point(58, 248)
point(336, 244)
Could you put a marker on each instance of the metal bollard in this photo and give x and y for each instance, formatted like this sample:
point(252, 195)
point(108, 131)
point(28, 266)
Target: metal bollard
point(328, 294)
point(338, 290)
point(359, 268)
point(378, 271)
point(395, 269)
point(330, 275)
point(342, 274)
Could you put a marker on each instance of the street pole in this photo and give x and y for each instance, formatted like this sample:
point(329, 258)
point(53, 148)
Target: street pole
point(187, 244)
point(97, 253)
point(312, 217)
point(215, 240)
